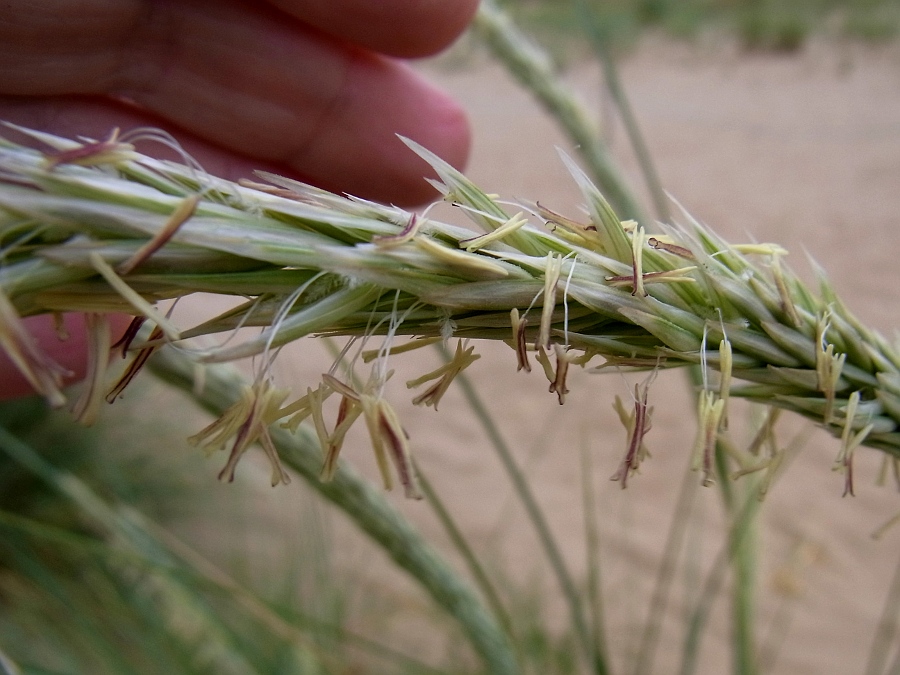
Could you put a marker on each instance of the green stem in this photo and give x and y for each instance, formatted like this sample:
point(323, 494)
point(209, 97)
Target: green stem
point(532, 68)
point(887, 629)
point(739, 531)
point(743, 605)
point(482, 580)
point(592, 544)
point(592, 651)
point(124, 525)
point(599, 42)
point(200, 572)
point(365, 505)
point(744, 569)
point(8, 666)
point(666, 573)
point(895, 664)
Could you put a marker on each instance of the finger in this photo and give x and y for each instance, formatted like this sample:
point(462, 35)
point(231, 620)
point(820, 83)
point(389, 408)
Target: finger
point(406, 28)
point(256, 82)
point(70, 353)
point(95, 116)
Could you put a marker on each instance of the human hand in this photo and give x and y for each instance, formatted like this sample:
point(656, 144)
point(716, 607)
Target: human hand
point(306, 88)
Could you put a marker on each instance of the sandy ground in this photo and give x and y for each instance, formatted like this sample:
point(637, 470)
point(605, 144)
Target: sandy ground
point(801, 150)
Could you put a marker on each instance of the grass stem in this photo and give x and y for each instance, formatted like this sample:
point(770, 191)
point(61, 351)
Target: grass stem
point(665, 575)
point(592, 651)
point(592, 554)
point(600, 43)
point(887, 630)
point(531, 66)
point(462, 546)
point(740, 528)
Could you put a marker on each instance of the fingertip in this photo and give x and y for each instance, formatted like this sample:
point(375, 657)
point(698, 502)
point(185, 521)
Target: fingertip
point(359, 151)
point(438, 123)
point(449, 136)
point(70, 354)
point(425, 28)
point(65, 343)
point(400, 28)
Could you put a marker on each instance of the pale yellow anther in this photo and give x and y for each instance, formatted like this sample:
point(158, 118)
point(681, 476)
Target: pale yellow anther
point(44, 375)
point(445, 374)
point(248, 422)
point(637, 424)
point(133, 297)
point(710, 408)
point(828, 366)
point(302, 408)
point(87, 407)
point(772, 467)
point(637, 257)
point(372, 354)
point(457, 258)
point(505, 229)
point(317, 415)
point(340, 387)
point(889, 464)
point(626, 417)
point(552, 270)
point(542, 358)
point(405, 235)
point(583, 234)
point(726, 360)
point(388, 437)
point(759, 249)
point(94, 153)
point(680, 275)
point(515, 321)
point(371, 414)
point(787, 304)
point(850, 441)
point(518, 340)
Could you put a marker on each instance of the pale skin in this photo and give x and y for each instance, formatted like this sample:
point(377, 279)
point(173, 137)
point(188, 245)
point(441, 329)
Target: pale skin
point(314, 89)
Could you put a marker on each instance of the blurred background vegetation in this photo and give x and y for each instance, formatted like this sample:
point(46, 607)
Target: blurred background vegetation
point(771, 25)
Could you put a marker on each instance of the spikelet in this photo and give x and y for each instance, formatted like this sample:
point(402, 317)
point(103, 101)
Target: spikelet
point(110, 230)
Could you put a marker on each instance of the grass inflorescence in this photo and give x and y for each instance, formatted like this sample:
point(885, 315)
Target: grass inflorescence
point(98, 228)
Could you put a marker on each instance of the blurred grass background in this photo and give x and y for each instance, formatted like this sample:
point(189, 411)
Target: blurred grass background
point(769, 25)
point(123, 556)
